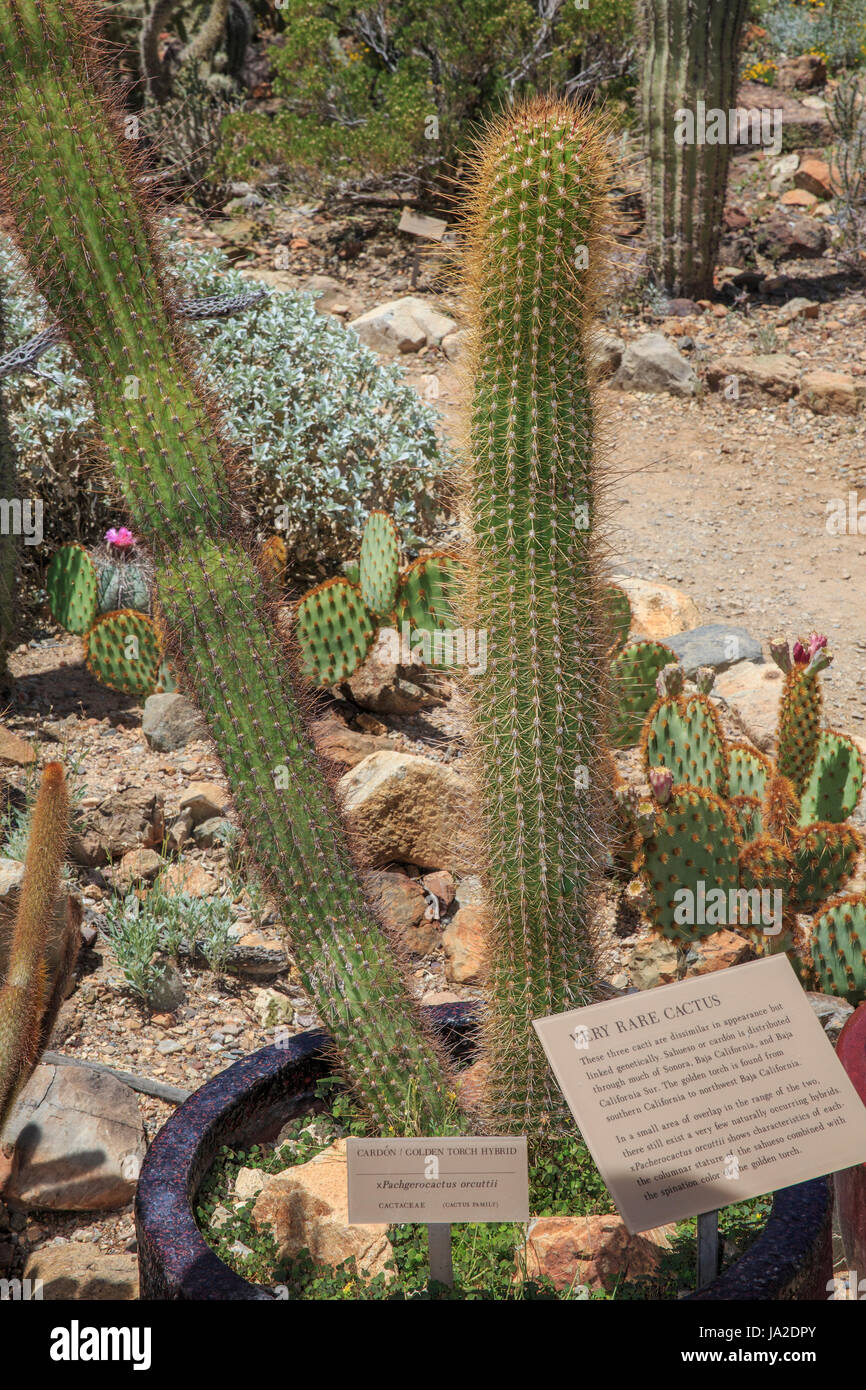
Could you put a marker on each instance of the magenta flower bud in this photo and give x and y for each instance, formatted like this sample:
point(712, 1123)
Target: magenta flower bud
point(661, 781)
point(816, 643)
point(801, 656)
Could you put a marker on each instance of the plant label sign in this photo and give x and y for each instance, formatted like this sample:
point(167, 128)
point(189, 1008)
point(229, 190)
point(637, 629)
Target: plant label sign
point(694, 1095)
point(438, 1180)
point(417, 224)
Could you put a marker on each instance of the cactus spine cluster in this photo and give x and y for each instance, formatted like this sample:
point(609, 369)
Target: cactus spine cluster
point(690, 55)
point(29, 1000)
point(533, 252)
point(71, 184)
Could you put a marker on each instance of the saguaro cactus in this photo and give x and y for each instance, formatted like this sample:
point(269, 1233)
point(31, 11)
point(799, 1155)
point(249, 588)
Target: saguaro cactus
point(532, 498)
point(71, 184)
point(29, 1000)
point(689, 55)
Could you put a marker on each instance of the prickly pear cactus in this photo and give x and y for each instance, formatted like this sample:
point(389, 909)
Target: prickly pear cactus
point(800, 707)
point(838, 946)
point(379, 568)
point(71, 584)
point(124, 652)
point(427, 591)
point(633, 674)
point(694, 842)
point(832, 789)
point(825, 857)
point(685, 735)
point(334, 630)
point(748, 770)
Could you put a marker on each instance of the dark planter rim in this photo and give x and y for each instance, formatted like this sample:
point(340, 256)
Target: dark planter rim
point(257, 1094)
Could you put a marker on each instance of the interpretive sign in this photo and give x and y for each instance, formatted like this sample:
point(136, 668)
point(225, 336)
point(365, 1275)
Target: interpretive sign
point(706, 1092)
point(438, 1180)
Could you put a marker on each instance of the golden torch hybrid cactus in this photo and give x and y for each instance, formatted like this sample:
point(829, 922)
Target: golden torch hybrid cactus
point(29, 1000)
point(72, 185)
point(532, 498)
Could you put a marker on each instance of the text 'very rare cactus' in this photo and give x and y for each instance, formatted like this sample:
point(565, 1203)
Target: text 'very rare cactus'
point(29, 1000)
point(71, 185)
point(533, 247)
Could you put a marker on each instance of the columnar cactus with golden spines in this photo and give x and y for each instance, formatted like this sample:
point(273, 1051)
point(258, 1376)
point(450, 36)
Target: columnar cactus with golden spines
point(29, 999)
point(71, 185)
point(532, 494)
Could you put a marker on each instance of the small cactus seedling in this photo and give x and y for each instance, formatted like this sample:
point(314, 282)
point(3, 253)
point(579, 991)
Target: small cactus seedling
point(29, 1000)
point(122, 585)
point(124, 652)
point(72, 584)
point(839, 948)
point(379, 568)
point(633, 674)
point(334, 630)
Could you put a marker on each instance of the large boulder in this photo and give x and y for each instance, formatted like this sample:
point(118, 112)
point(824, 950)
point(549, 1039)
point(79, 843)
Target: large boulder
point(752, 694)
point(403, 325)
point(75, 1270)
point(465, 944)
point(409, 810)
point(596, 1251)
point(401, 904)
point(717, 645)
point(658, 610)
point(652, 363)
point(393, 679)
point(79, 1141)
point(307, 1208)
point(773, 373)
point(830, 393)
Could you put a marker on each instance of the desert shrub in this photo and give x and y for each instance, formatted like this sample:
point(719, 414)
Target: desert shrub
point(396, 90)
point(834, 28)
point(327, 433)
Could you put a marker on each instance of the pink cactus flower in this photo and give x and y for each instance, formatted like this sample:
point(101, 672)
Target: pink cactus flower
point(816, 643)
point(801, 656)
point(661, 781)
point(120, 536)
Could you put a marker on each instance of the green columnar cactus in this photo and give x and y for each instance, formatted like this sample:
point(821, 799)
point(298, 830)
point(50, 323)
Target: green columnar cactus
point(8, 540)
point(839, 948)
point(29, 1000)
point(690, 56)
point(72, 188)
point(532, 495)
point(619, 615)
point(379, 568)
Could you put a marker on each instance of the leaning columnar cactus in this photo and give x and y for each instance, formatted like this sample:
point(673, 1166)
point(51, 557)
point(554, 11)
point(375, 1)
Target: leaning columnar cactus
point(532, 497)
point(689, 72)
point(8, 539)
point(71, 185)
point(29, 999)
point(730, 819)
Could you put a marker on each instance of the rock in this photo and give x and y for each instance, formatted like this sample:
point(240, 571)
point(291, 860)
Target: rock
point(816, 177)
point(828, 393)
point(391, 680)
point(652, 363)
point(213, 832)
point(126, 820)
point(472, 1084)
point(272, 1008)
point(752, 693)
point(332, 296)
point(786, 237)
point(189, 877)
point(138, 866)
point(593, 1250)
point(470, 892)
point(204, 800)
point(658, 610)
point(249, 1183)
point(654, 961)
point(75, 1270)
point(775, 373)
point(716, 645)
point(409, 810)
point(79, 1141)
point(178, 832)
point(438, 997)
point(340, 744)
point(167, 992)
point(306, 1207)
point(717, 952)
point(68, 913)
point(442, 887)
point(455, 344)
point(605, 351)
point(403, 325)
point(171, 721)
point(801, 74)
point(401, 904)
point(798, 198)
point(15, 751)
point(832, 1013)
point(465, 942)
point(797, 308)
